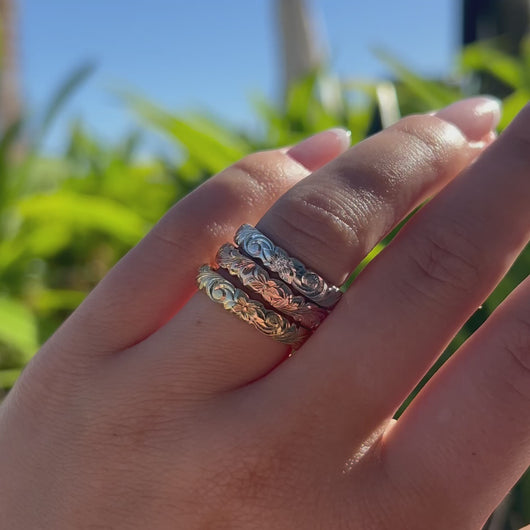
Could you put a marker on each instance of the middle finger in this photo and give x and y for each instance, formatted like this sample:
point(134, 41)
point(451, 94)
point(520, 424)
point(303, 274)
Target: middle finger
point(410, 302)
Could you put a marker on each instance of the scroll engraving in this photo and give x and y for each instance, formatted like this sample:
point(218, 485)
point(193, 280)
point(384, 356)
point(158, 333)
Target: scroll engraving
point(237, 302)
point(275, 292)
point(292, 271)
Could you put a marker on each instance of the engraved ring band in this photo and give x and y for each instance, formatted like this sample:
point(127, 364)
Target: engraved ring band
point(272, 291)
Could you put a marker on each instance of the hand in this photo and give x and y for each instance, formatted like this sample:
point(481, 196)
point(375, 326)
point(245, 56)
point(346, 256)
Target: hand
point(153, 407)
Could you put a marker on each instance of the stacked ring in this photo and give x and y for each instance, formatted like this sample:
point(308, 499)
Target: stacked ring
point(290, 270)
point(275, 292)
point(238, 302)
point(307, 309)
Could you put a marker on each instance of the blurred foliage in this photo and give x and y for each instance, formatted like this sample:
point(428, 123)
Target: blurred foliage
point(65, 221)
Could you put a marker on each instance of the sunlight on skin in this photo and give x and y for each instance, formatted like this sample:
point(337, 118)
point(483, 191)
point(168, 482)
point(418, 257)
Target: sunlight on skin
point(198, 422)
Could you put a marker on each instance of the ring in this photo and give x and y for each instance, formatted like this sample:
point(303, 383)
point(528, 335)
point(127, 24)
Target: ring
point(255, 313)
point(292, 271)
point(275, 292)
point(274, 319)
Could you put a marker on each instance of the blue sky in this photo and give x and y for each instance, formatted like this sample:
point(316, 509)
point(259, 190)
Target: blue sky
point(209, 54)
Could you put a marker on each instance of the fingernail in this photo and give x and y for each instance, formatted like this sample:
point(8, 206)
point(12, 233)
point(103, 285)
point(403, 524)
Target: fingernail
point(475, 117)
point(321, 148)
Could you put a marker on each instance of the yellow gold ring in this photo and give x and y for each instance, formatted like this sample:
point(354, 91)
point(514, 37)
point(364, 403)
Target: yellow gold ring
point(236, 301)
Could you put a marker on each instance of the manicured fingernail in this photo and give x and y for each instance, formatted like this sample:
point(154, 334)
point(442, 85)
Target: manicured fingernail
point(475, 117)
point(321, 148)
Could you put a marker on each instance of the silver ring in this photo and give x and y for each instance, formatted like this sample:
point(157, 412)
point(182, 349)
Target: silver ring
point(292, 271)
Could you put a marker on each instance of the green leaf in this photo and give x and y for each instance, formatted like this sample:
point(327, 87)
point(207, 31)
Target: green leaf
point(61, 96)
point(8, 141)
point(58, 299)
point(41, 240)
point(435, 95)
point(129, 146)
point(203, 143)
point(301, 100)
point(307, 110)
point(9, 137)
point(358, 122)
point(218, 128)
point(483, 58)
point(18, 328)
point(371, 255)
point(525, 63)
point(511, 106)
point(85, 212)
point(273, 119)
point(9, 377)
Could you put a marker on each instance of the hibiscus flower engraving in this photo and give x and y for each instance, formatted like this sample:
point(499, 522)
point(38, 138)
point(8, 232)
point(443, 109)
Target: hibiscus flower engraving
point(244, 307)
point(282, 265)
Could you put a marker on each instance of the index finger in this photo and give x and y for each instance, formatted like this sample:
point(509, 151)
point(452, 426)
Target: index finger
point(156, 278)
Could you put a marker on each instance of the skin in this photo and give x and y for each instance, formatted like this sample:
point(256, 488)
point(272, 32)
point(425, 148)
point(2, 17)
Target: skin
point(151, 407)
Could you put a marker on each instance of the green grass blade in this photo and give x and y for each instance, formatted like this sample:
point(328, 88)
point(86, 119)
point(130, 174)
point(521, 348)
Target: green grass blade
point(85, 213)
point(204, 144)
point(9, 377)
point(483, 58)
point(511, 106)
point(433, 94)
point(49, 300)
point(301, 99)
point(61, 96)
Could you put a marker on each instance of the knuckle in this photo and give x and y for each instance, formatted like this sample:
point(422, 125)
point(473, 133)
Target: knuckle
point(430, 137)
point(321, 223)
point(445, 261)
point(262, 169)
point(236, 183)
point(252, 181)
point(254, 161)
point(254, 166)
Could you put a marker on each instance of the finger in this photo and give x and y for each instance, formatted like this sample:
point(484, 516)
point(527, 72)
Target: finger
point(154, 280)
point(409, 303)
point(330, 221)
point(465, 440)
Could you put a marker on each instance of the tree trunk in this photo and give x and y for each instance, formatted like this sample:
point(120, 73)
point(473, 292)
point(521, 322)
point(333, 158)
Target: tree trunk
point(299, 41)
point(10, 107)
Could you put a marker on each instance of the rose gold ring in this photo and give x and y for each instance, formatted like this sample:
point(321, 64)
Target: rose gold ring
point(279, 313)
point(275, 292)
